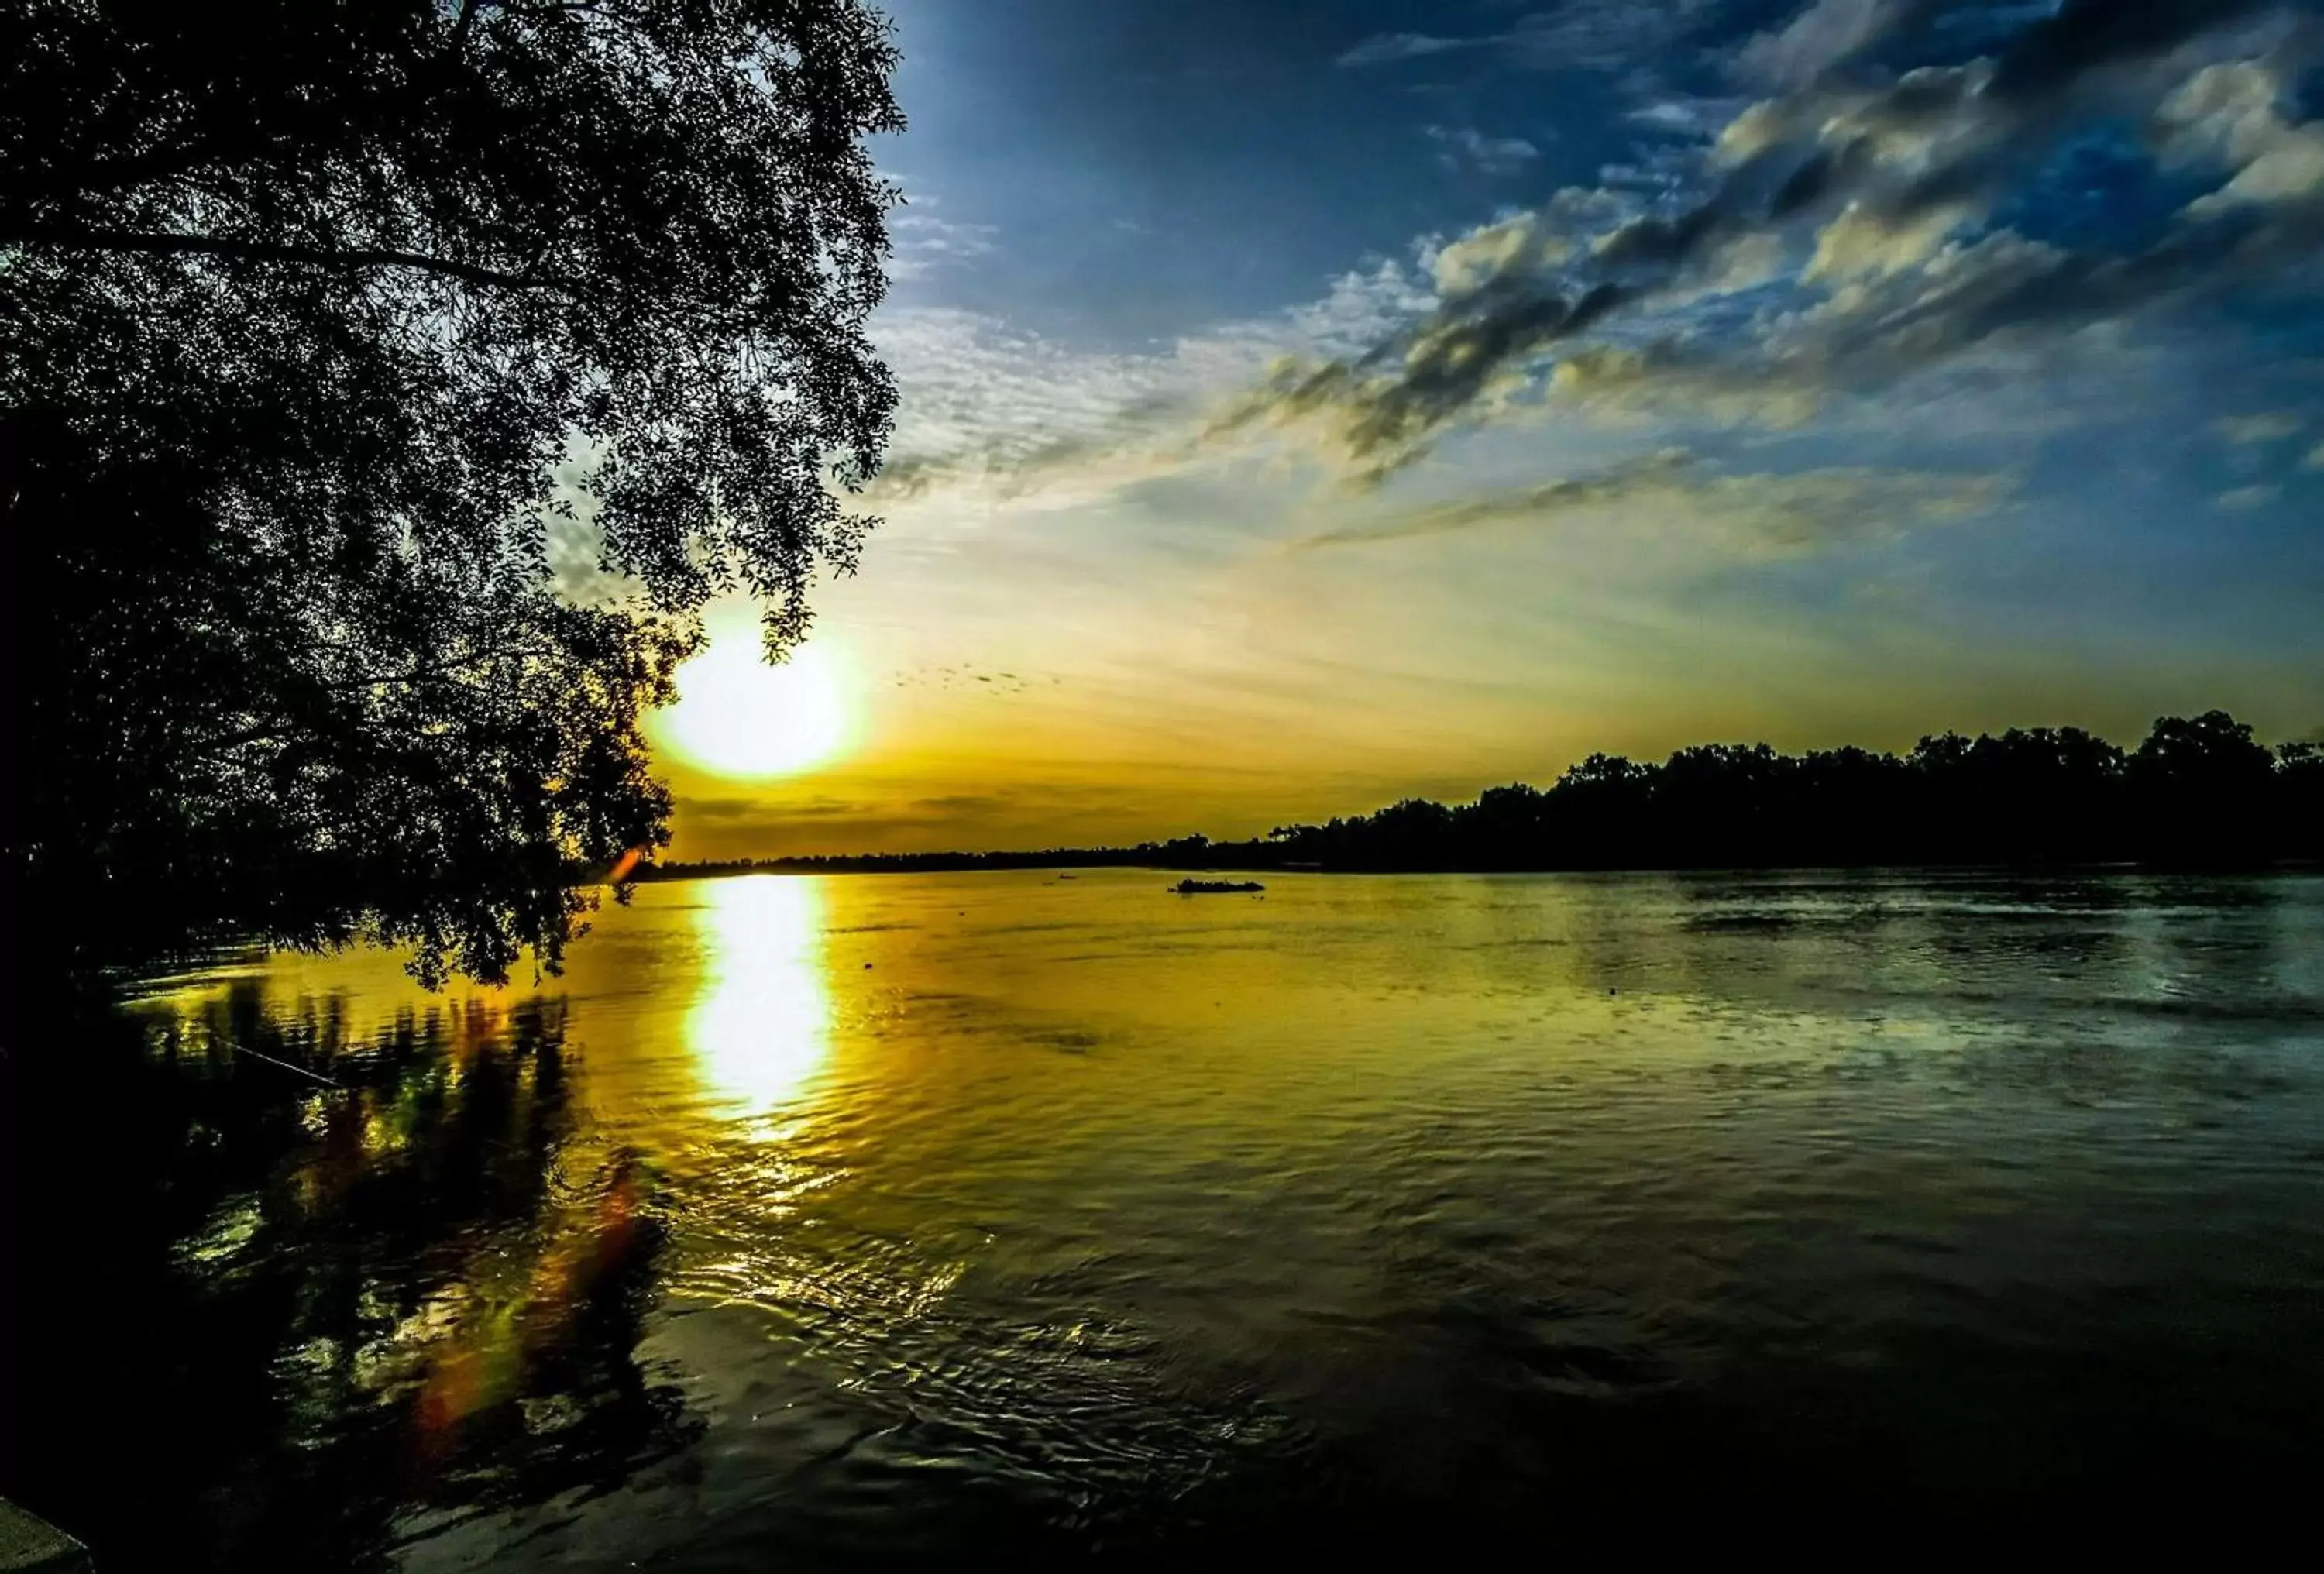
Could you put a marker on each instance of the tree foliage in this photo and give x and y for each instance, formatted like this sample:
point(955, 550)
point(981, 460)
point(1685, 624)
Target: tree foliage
point(324, 331)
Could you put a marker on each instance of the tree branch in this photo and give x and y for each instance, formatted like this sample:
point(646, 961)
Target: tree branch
point(437, 669)
point(98, 240)
point(468, 9)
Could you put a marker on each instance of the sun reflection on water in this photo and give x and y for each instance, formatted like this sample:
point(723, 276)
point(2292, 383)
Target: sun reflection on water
point(761, 1023)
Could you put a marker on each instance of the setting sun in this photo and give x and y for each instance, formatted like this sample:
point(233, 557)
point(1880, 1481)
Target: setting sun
point(737, 716)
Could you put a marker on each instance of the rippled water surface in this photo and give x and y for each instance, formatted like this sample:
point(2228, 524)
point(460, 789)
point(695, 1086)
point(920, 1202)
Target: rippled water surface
point(806, 1219)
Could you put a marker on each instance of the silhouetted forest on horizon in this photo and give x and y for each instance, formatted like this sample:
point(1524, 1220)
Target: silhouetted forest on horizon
point(2199, 790)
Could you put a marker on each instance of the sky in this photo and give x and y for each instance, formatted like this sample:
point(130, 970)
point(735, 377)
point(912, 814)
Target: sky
point(1307, 406)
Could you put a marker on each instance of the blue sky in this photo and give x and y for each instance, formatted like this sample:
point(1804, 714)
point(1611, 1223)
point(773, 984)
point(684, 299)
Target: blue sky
point(1310, 404)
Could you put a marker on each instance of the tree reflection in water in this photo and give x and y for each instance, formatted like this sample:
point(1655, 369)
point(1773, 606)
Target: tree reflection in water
point(422, 1284)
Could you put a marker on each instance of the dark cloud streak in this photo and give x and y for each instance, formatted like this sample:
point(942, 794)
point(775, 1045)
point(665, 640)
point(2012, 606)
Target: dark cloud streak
point(2050, 56)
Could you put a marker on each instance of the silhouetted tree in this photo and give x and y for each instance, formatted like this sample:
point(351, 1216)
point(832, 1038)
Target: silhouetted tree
point(2300, 798)
point(323, 330)
point(2197, 781)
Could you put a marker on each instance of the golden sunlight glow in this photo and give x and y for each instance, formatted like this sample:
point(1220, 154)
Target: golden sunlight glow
point(763, 1021)
point(737, 716)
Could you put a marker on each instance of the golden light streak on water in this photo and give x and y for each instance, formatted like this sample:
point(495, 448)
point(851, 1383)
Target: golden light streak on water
point(761, 1025)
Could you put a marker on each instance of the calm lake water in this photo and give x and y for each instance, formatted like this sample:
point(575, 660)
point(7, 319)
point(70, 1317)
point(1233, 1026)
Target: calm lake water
point(807, 1221)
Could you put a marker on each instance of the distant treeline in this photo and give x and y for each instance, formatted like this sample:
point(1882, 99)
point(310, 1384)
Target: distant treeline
point(1150, 853)
point(2195, 791)
point(2199, 790)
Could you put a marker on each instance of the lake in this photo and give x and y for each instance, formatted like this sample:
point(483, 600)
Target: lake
point(807, 1221)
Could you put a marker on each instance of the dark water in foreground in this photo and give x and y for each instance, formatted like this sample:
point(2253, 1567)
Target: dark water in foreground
point(812, 1220)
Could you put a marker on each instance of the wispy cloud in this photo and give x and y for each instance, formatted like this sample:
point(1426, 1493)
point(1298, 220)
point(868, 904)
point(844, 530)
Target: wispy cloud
point(1467, 147)
point(2244, 431)
point(997, 414)
point(1668, 492)
point(922, 241)
point(1586, 35)
point(1826, 34)
point(2244, 499)
point(1383, 48)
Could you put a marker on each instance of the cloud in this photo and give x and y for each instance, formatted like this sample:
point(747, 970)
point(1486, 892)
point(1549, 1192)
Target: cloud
point(1521, 245)
point(1604, 35)
point(1868, 208)
point(1669, 493)
point(2085, 36)
point(1682, 116)
point(2244, 499)
point(1383, 48)
point(1834, 239)
point(1580, 34)
point(1123, 446)
point(1861, 242)
point(1617, 484)
point(1381, 410)
point(1824, 35)
point(1490, 154)
point(960, 803)
point(2230, 114)
point(1665, 376)
point(994, 414)
point(923, 242)
point(2244, 431)
point(725, 808)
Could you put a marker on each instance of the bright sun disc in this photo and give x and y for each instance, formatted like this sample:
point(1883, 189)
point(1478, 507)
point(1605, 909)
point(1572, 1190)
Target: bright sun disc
point(740, 717)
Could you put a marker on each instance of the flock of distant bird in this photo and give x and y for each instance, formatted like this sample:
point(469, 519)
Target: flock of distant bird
point(967, 678)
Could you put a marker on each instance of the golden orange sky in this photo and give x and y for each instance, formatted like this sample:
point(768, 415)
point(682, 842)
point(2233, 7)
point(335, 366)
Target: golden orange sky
point(1103, 670)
